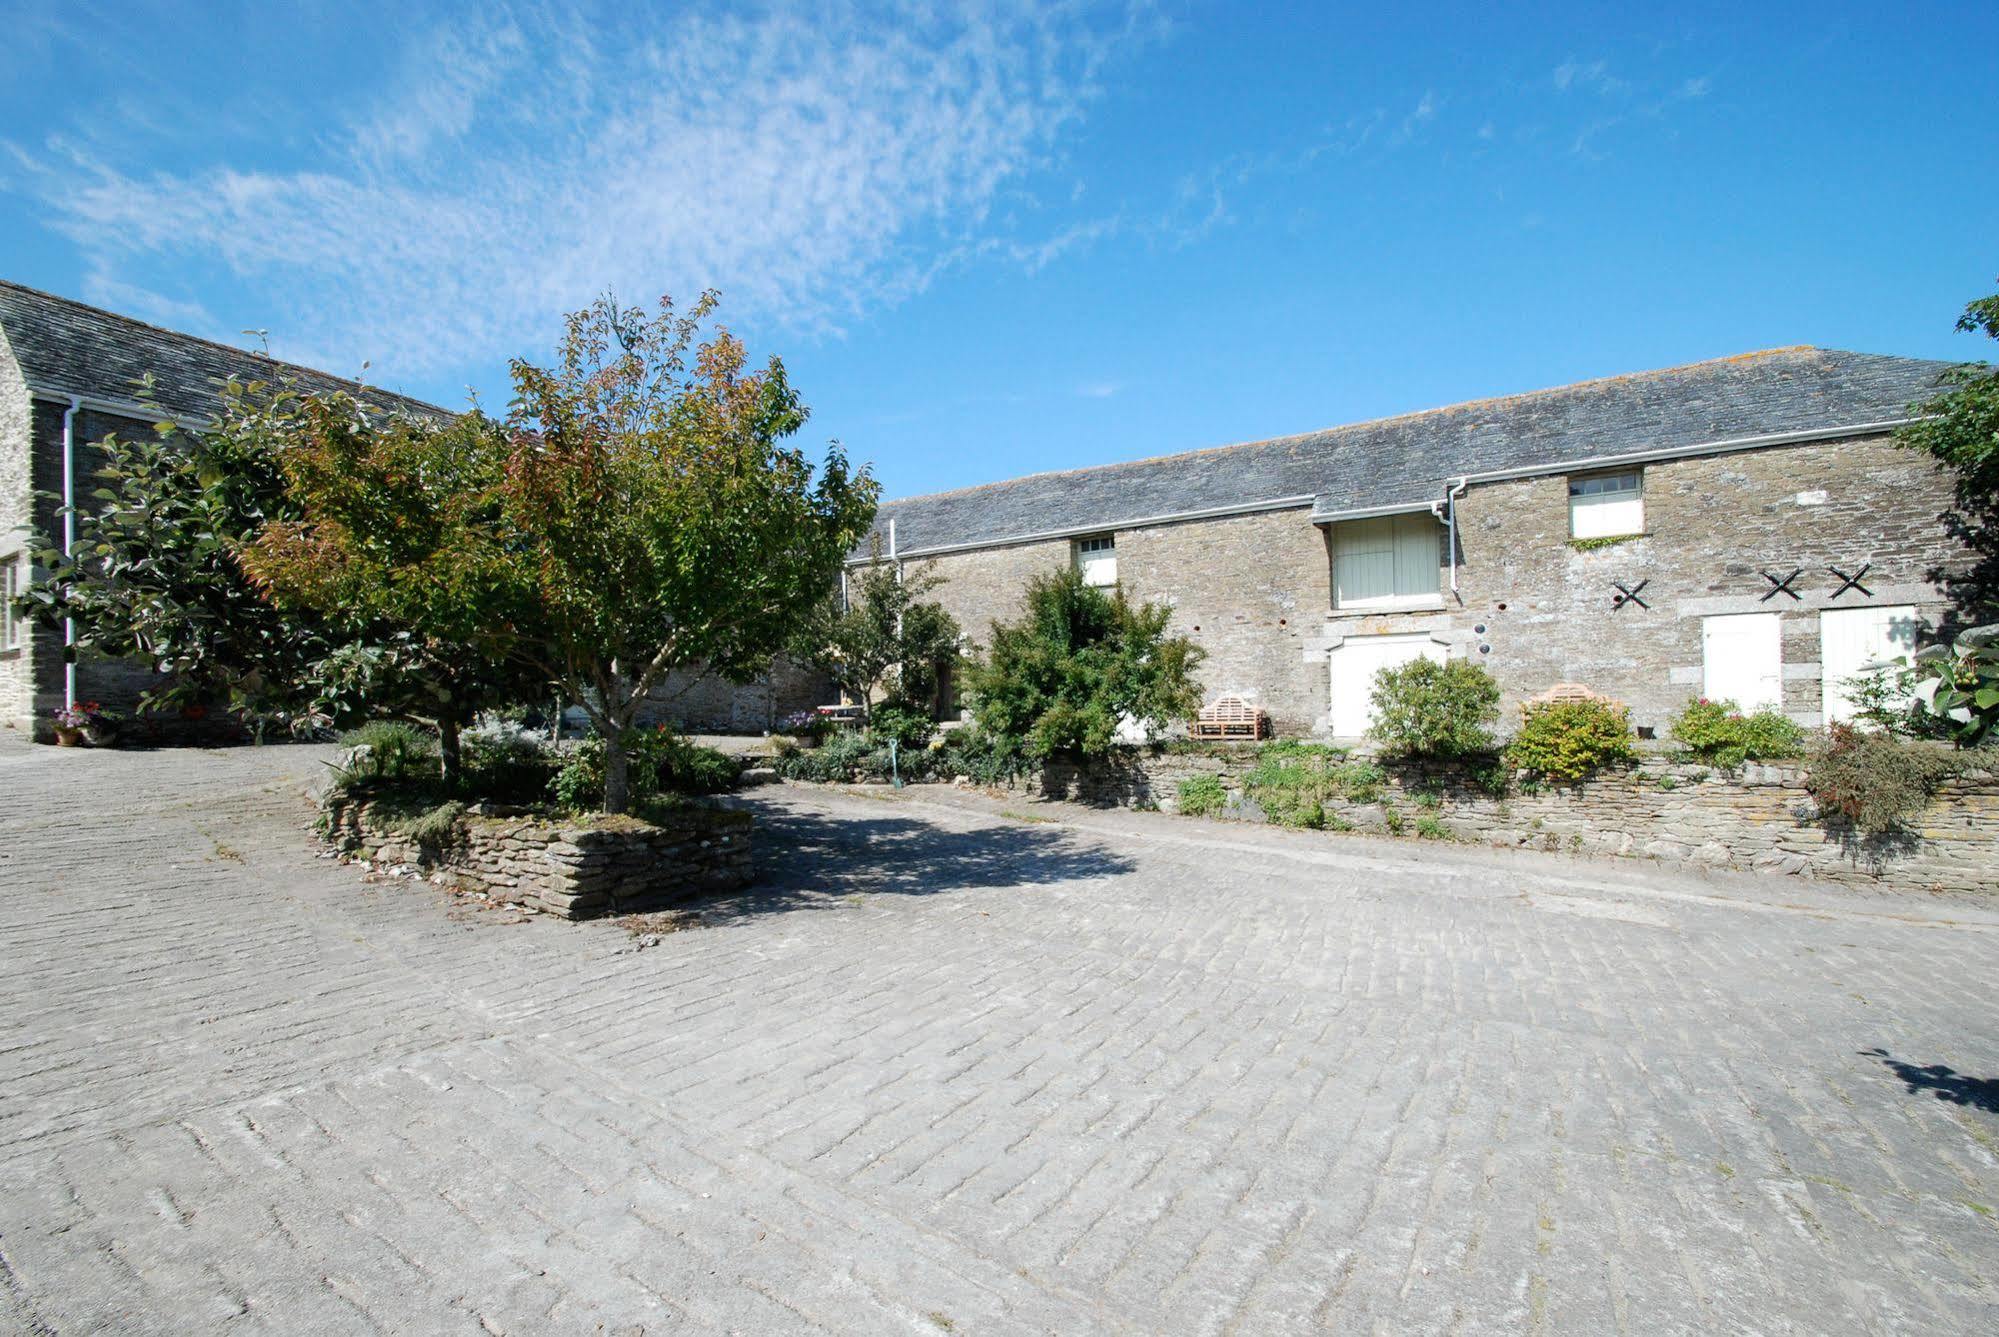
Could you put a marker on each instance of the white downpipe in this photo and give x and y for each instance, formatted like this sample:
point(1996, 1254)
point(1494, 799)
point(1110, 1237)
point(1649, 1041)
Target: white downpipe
point(892, 550)
point(68, 542)
point(1451, 496)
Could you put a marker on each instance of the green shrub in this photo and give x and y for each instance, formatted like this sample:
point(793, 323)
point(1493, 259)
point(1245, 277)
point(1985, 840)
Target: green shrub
point(387, 751)
point(506, 769)
point(1875, 781)
point(1292, 781)
point(846, 756)
point(1426, 709)
point(1719, 733)
point(661, 762)
point(1429, 828)
point(1078, 665)
point(1567, 740)
point(1202, 796)
point(911, 730)
point(1362, 781)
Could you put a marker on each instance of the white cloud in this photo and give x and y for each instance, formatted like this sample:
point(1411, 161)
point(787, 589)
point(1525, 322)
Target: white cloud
point(1593, 75)
point(814, 168)
point(1098, 389)
point(145, 304)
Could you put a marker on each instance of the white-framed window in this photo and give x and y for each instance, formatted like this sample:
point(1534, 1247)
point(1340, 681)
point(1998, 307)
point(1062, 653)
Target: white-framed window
point(1096, 558)
point(1387, 561)
point(1603, 506)
point(13, 581)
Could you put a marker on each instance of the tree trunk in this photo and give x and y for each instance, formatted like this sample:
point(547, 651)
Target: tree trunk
point(447, 751)
point(617, 773)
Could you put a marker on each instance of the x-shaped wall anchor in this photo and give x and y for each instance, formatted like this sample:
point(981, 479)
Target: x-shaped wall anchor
point(1781, 586)
point(1624, 596)
point(1852, 582)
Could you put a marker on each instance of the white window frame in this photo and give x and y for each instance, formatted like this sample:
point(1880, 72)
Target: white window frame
point(13, 572)
point(1605, 506)
point(1096, 558)
point(1416, 547)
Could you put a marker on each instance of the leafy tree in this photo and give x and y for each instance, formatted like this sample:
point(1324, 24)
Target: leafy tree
point(392, 539)
point(1077, 664)
point(1959, 427)
point(652, 520)
point(153, 570)
point(888, 641)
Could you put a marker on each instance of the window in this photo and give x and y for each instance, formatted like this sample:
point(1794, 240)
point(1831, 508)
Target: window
point(1096, 558)
point(1390, 561)
point(13, 580)
point(1604, 506)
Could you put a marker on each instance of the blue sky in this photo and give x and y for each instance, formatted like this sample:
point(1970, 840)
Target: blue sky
point(994, 240)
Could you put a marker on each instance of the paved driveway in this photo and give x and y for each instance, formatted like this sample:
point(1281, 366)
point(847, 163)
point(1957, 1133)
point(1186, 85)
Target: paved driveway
point(959, 1071)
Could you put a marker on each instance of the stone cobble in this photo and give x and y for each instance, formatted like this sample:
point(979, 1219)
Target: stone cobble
point(975, 1065)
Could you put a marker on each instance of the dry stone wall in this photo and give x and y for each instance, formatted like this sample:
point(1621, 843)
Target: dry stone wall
point(575, 871)
point(1760, 818)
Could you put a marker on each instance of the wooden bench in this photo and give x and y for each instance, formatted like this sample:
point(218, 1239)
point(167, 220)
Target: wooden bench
point(1231, 717)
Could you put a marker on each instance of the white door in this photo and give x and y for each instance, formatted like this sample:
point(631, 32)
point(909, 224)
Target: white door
point(1742, 660)
point(1853, 639)
point(1354, 664)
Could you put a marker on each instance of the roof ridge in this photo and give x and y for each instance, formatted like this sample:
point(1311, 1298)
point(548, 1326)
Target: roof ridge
point(1589, 383)
point(170, 333)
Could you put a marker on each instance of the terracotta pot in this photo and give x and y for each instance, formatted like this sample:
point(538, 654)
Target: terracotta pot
point(68, 737)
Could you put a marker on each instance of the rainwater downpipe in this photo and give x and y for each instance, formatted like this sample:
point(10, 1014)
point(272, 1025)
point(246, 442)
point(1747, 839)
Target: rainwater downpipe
point(68, 542)
point(1451, 496)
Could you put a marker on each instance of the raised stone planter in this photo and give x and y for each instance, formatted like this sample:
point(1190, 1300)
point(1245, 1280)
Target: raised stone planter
point(576, 870)
point(1760, 818)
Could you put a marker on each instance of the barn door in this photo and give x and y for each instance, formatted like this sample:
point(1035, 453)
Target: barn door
point(1742, 660)
point(1851, 640)
point(1354, 663)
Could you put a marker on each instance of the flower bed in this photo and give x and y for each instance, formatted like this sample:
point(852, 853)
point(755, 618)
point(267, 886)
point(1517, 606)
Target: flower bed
point(1758, 817)
point(575, 868)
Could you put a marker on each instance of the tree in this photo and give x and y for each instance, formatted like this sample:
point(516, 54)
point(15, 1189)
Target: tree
point(888, 640)
point(1959, 427)
point(390, 535)
point(652, 519)
point(1079, 664)
point(153, 570)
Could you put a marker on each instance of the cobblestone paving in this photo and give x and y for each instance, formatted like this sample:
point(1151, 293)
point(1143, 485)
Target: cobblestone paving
point(962, 1068)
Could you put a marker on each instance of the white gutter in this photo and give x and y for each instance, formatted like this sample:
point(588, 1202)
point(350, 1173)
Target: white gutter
point(121, 408)
point(1405, 508)
point(68, 542)
point(1099, 527)
point(1634, 457)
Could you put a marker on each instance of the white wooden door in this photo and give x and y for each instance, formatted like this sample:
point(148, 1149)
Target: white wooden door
point(1853, 639)
point(1354, 664)
point(1742, 660)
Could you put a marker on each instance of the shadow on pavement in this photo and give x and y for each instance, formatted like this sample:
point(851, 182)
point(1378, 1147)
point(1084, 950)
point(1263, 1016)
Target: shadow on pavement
point(1980, 1093)
point(808, 860)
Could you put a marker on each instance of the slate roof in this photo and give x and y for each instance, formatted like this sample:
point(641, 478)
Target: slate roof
point(1405, 461)
point(65, 347)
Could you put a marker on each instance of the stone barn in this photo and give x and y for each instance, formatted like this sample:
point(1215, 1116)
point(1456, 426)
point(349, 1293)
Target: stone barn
point(1740, 528)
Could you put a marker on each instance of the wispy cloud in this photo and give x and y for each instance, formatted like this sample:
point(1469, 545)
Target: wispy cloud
point(814, 167)
point(1098, 389)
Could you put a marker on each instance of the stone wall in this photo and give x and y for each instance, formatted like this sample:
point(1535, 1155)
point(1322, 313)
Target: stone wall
point(708, 704)
point(609, 865)
point(1759, 819)
point(17, 687)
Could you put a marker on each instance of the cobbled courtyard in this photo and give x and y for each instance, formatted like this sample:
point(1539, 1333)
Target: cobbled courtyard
point(969, 1066)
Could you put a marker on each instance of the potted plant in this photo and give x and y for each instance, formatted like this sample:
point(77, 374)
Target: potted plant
point(71, 721)
point(808, 727)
